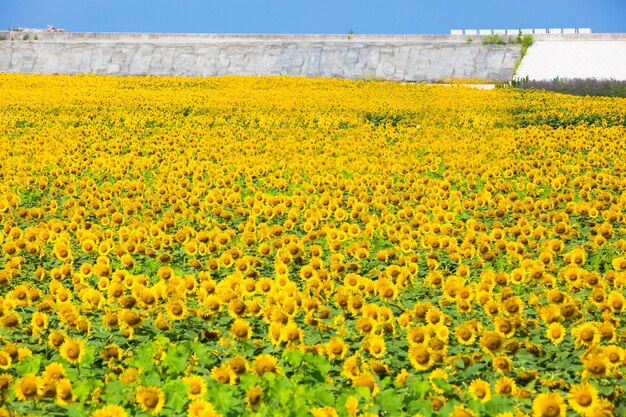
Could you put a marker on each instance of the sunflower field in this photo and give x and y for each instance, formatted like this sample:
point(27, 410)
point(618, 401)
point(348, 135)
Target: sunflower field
point(309, 247)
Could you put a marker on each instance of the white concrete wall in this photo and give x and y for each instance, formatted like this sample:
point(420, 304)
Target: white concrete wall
point(568, 59)
point(394, 57)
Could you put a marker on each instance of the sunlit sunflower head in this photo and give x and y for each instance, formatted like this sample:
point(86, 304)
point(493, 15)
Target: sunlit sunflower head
point(421, 357)
point(583, 398)
point(27, 387)
point(176, 310)
point(365, 379)
point(197, 386)
point(254, 397)
point(239, 365)
point(336, 348)
point(73, 350)
point(110, 410)
point(556, 332)
point(241, 329)
point(64, 394)
point(596, 365)
point(150, 399)
point(202, 408)
point(549, 405)
point(492, 341)
point(54, 371)
point(265, 363)
point(506, 386)
point(479, 389)
point(5, 360)
point(375, 346)
point(223, 374)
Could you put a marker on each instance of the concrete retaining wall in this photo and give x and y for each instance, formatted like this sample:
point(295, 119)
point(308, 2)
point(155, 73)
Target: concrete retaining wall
point(395, 57)
point(599, 57)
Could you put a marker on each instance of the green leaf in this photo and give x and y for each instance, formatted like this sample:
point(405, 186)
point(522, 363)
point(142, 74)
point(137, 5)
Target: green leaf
point(82, 389)
point(421, 388)
point(114, 392)
point(324, 397)
point(176, 395)
point(144, 358)
point(75, 410)
point(29, 365)
point(390, 401)
point(176, 360)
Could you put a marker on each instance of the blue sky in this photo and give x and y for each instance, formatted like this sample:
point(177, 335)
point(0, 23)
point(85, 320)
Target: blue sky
point(311, 16)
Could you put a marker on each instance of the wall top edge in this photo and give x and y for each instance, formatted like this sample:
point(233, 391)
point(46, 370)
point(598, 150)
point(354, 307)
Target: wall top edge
point(251, 37)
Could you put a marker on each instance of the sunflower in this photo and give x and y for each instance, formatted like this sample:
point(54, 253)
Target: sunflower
point(27, 387)
point(223, 374)
point(291, 333)
point(111, 410)
point(197, 386)
point(176, 310)
point(549, 405)
point(201, 408)
point(421, 357)
point(492, 341)
point(586, 334)
point(506, 386)
point(465, 334)
point(241, 329)
point(479, 389)
point(254, 396)
point(375, 346)
point(583, 398)
point(265, 363)
point(150, 399)
point(352, 405)
point(73, 350)
point(502, 364)
point(596, 365)
point(5, 360)
point(365, 379)
point(556, 332)
point(239, 365)
point(54, 371)
point(336, 348)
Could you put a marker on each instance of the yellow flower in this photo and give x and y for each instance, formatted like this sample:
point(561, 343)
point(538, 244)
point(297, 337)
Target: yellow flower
point(254, 397)
point(352, 405)
point(201, 408)
point(27, 387)
point(336, 348)
point(73, 350)
point(549, 405)
point(556, 332)
point(324, 412)
point(583, 398)
point(64, 394)
point(265, 363)
point(197, 386)
point(241, 329)
point(375, 346)
point(479, 389)
point(5, 360)
point(506, 386)
point(176, 310)
point(110, 411)
point(150, 399)
point(223, 374)
point(421, 357)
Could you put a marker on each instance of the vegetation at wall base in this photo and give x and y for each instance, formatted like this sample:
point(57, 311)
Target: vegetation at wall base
point(577, 86)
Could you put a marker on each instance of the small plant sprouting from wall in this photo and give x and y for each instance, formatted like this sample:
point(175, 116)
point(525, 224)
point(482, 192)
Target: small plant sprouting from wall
point(493, 40)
